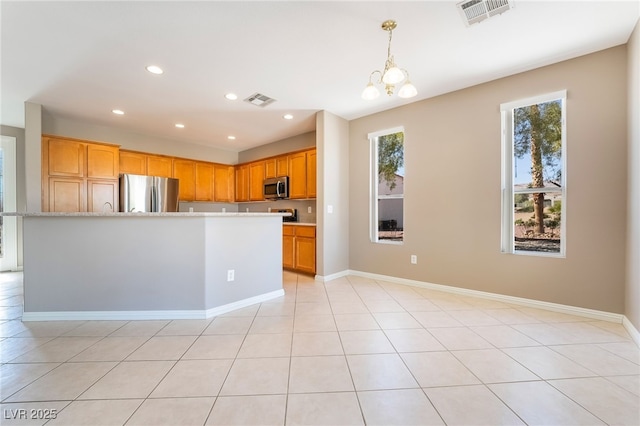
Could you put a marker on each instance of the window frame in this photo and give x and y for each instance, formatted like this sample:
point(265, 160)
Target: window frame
point(507, 245)
point(373, 184)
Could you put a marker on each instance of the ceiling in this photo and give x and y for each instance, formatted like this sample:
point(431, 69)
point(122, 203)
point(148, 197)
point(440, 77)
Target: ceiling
point(81, 60)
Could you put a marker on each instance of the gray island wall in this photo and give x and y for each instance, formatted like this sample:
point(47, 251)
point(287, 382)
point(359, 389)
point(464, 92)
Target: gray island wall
point(148, 266)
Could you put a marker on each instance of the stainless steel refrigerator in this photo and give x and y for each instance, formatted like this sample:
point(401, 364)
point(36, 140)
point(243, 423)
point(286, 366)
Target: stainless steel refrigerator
point(148, 194)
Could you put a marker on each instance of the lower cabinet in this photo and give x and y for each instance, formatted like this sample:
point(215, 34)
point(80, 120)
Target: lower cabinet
point(299, 248)
point(82, 195)
point(66, 195)
point(102, 196)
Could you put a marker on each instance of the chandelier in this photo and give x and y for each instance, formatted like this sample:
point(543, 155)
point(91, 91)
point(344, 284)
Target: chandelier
point(391, 75)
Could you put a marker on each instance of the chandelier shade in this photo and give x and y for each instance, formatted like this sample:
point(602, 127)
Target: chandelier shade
point(392, 75)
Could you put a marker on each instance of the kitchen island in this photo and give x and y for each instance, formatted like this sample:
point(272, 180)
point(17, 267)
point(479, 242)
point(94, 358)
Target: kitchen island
point(148, 265)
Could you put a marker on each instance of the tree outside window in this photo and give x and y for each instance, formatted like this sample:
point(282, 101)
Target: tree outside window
point(533, 175)
point(388, 186)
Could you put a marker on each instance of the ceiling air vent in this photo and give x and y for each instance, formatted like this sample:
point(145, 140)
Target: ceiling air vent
point(474, 11)
point(258, 99)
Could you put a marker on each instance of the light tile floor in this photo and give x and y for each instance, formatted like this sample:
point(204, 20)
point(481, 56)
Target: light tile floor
point(347, 352)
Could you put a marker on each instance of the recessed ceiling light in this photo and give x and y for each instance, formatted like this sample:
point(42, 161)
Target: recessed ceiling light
point(154, 69)
point(180, 126)
point(287, 117)
point(231, 138)
point(117, 111)
point(231, 96)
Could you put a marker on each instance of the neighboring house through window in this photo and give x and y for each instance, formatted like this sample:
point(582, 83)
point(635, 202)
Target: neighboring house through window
point(387, 186)
point(534, 175)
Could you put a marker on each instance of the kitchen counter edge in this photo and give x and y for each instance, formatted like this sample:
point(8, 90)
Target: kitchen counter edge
point(166, 214)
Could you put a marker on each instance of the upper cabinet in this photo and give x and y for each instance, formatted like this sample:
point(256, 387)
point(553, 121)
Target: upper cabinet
point(256, 181)
point(298, 175)
point(199, 180)
point(102, 161)
point(133, 162)
point(204, 187)
point(282, 166)
point(159, 165)
point(302, 174)
point(311, 174)
point(270, 168)
point(299, 166)
point(79, 176)
point(63, 157)
point(276, 166)
point(242, 182)
point(185, 172)
point(224, 183)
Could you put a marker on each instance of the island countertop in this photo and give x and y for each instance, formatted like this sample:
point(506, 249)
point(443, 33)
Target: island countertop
point(143, 214)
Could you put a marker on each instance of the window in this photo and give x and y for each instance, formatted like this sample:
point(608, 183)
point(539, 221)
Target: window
point(534, 175)
point(387, 186)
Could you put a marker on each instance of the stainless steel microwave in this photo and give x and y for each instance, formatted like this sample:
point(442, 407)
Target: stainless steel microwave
point(276, 188)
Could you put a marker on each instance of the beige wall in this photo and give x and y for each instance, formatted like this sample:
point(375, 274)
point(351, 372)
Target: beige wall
point(294, 143)
point(452, 188)
point(332, 242)
point(632, 290)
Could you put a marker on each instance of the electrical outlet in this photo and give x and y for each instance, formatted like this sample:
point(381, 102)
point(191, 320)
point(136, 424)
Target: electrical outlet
point(414, 259)
point(231, 275)
point(224, 210)
point(309, 209)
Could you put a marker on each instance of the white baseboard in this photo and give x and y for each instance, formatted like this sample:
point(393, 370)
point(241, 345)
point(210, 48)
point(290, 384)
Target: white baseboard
point(112, 315)
point(556, 307)
point(633, 332)
point(337, 275)
point(243, 303)
point(149, 315)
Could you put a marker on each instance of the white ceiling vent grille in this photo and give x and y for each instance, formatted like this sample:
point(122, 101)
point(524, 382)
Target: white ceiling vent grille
point(474, 11)
point(258, 99)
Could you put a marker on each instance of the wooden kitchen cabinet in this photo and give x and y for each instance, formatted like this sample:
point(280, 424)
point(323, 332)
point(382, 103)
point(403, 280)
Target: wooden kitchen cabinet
point(66, 195)
point(311, 174)
point(78, 176)
point(158, 165)
point(256, 181)
point(302, 174)
point(185, 172)
point(102, 196)
point(270, 168)
point(62, 157)
point(298, 175)
point(276, 166)
point(299, 248)
point(204, 181)
point(223, 183)
point(102, 161)
point(133, 162)
point(282, 165)
point(242, 182)
point(288, 246)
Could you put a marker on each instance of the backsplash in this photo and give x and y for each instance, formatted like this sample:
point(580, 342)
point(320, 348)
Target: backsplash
point(262, 206)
